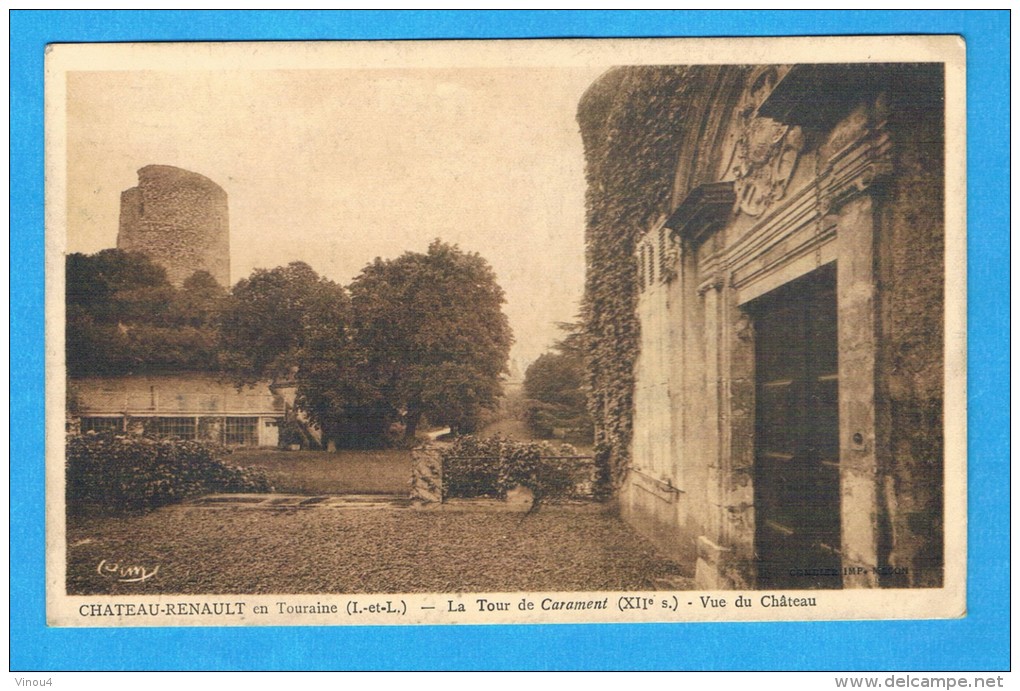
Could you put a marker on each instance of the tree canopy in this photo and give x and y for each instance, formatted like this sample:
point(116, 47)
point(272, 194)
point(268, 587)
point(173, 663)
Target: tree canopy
point(433, 335)
point(422, 335)
point(267, 318)
point(288, 324)
point(123, 315)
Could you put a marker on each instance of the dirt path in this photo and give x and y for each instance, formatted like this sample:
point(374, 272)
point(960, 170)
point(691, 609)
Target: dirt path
point(516, 429)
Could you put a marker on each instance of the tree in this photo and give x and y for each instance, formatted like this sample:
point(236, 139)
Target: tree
point(113, 285)
point(555, 387)
point(329, 371)
point(290, 324)
point(198, 302)
point(123, 315)
point(432, 335)
point(266, 318)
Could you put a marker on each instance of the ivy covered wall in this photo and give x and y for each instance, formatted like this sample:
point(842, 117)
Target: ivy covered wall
point(634, 123)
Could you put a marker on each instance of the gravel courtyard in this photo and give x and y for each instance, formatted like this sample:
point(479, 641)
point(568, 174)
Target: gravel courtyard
point(200, 549)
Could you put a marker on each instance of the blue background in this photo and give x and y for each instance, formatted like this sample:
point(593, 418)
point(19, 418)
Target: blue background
point(978, 642)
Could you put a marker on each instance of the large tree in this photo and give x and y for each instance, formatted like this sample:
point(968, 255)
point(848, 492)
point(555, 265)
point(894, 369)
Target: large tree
point(290, 324)
point(432, 335)
point(267, 317)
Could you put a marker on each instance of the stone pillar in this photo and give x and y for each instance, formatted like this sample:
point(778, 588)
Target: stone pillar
point(713, 408)
point(713, 555)
point(857, 351)
point(676, 362)
point(427, 474)
point(854, 159)
point(738, 458)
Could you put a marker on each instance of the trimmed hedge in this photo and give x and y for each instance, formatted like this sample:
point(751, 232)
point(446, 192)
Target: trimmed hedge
point(474, 467)
point(108, 473)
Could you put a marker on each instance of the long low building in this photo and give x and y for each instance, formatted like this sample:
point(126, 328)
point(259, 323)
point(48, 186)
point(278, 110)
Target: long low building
point(190, 405)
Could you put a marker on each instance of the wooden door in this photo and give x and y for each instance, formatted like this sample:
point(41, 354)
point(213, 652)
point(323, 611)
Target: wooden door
point(797, 498)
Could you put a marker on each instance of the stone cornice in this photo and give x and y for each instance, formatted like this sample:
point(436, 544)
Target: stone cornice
point(706, 208)
point(820, 95)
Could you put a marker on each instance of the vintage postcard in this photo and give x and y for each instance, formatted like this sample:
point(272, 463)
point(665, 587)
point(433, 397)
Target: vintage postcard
point(544, 331)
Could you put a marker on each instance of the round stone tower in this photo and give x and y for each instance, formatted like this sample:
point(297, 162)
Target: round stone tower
point(179, 219)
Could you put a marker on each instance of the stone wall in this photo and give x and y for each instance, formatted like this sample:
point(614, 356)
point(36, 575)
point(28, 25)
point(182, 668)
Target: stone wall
point(180, 220)
point(185, 393)
point(633, 121)
point(137, 403)
point(911, 305)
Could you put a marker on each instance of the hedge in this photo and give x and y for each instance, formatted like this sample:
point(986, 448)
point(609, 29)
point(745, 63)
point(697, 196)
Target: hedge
point(475, 467)
point(108, 473)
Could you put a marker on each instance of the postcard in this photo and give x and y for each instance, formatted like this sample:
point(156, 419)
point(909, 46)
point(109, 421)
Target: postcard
point(489, 332)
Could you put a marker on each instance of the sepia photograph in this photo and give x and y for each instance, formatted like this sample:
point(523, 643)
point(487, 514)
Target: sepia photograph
point(506, 332)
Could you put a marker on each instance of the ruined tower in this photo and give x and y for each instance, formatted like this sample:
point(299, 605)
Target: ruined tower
point(180, 220)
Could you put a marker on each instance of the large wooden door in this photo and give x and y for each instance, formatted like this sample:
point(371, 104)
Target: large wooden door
point(797, 498)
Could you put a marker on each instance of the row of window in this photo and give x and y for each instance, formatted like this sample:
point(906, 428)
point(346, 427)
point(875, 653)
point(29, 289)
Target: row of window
point(233, 431)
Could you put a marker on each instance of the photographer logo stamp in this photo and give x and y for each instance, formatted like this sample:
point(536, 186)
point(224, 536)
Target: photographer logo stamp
point(124, 572)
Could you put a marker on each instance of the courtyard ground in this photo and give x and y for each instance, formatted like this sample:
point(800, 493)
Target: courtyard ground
point(316, 549)
point(343, 523)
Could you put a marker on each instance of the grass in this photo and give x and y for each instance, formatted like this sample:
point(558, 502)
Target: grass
point(246, 550)
point(322, 472)
point(243, 549)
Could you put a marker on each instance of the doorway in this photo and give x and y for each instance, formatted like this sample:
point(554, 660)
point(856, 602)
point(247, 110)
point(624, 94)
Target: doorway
point(796, 475)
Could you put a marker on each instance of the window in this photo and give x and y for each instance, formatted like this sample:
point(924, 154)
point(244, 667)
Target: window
point(175, 427)
point(101, 424)
point(664, 256)
point(651, 263)
point(641, 266)
point(241, 431)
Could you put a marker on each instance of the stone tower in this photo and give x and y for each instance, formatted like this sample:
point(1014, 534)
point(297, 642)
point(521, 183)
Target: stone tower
point(179, 219)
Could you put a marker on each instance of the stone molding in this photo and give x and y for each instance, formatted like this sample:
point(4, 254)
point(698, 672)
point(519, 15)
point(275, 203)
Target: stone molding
point(856, 168)
point(855, 160)
point(705, 209)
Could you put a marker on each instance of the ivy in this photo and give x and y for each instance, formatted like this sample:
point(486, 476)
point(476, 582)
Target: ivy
point(632, 121)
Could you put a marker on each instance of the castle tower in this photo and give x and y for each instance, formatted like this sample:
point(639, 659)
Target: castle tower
point(180, 220)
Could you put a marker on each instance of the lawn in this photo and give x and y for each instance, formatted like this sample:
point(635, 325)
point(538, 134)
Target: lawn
point(322, 472)
point(321, 550)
